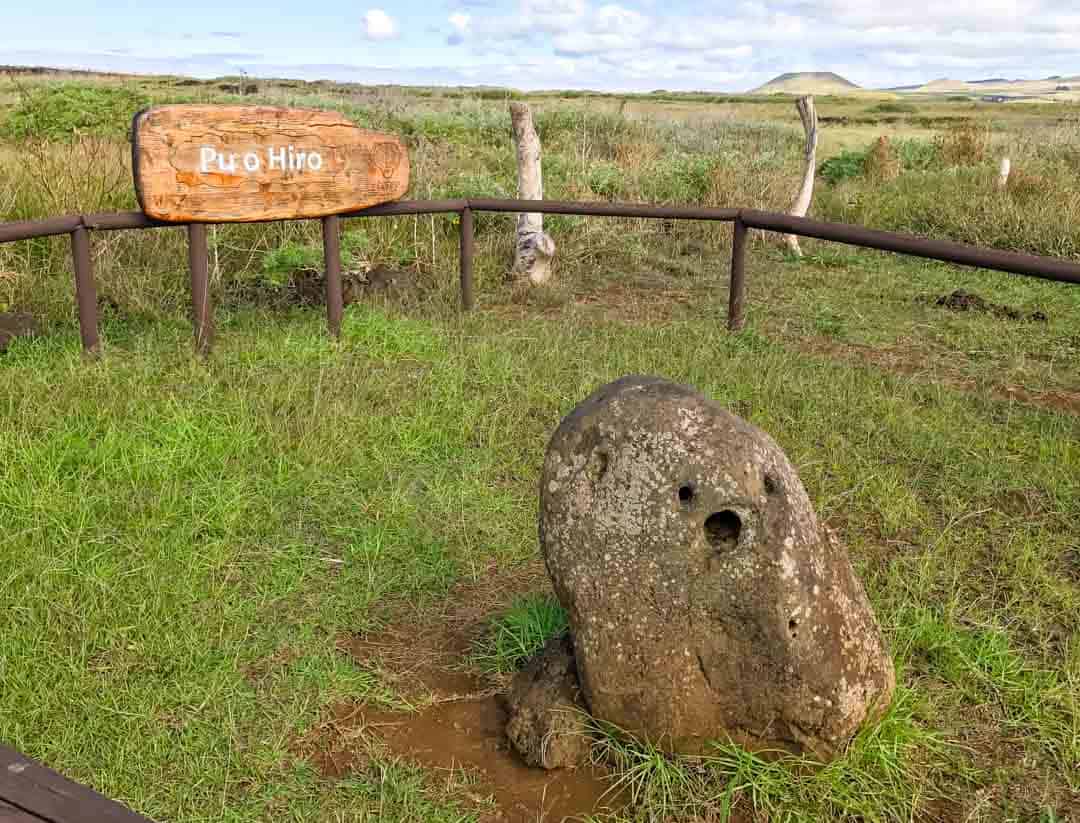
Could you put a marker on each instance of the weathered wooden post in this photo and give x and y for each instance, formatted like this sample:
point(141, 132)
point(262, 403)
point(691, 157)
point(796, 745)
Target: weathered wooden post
point(199, 266)
point(1003, 174)
point(465, 259)
point(737, 287)
point(801, 204)
point(534, 250)
point(335, 301)
point(85, 290)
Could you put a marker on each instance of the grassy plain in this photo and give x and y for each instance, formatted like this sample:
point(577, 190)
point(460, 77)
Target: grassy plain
point(191, 549)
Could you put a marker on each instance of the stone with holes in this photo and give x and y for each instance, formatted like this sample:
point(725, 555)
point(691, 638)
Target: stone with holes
point(705, 601)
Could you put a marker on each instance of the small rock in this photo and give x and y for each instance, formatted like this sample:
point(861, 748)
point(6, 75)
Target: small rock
point(547, 724)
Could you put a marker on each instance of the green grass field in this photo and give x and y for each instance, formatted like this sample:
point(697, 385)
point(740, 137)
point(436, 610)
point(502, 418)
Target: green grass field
point(191, 548)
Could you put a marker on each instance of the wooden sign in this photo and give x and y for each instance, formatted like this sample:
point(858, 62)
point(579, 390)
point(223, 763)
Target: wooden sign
point(245, 163)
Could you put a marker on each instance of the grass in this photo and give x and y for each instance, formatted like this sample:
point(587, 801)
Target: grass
point(184, 542)
point(520, 633)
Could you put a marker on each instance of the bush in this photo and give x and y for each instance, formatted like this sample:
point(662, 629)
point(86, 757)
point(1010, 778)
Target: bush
point(918, 155)
point(893, 108)
point(882, 161)
point(68, 110)
point(964, 144)
point(606, 180)
point(847, 165)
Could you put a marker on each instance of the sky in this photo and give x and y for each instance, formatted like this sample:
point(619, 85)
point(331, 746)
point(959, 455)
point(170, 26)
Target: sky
point(629, 45)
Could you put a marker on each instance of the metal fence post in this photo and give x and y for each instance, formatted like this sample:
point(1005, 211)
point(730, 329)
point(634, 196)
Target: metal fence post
point(198, 263)
point(85, 290)
point(466, 261)
point(335, 300)
point(737, 287)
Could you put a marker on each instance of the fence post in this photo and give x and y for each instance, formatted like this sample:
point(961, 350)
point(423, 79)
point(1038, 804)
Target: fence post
point(335, 300)
point(85, 290)
point(466, 260)
point(737, 287)
point(198, 263)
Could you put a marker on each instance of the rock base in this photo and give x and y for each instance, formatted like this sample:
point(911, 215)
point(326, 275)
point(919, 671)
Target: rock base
point(548, 723)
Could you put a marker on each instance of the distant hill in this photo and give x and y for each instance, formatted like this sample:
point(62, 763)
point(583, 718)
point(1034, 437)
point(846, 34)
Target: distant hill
point(808, 82)
point(997, 89)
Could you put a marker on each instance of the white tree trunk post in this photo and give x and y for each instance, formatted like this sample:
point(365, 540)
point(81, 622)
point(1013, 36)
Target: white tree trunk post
point(1003, 174)
point(801, 205)
point(534, 250)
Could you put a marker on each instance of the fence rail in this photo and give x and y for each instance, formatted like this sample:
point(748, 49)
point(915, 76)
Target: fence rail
point(80, 226)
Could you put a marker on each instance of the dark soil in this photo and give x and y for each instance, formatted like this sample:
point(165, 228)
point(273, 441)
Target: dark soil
point(463, 734)
point(14, 324)
point(961, 300)
point(307, 288)
point(914, 362)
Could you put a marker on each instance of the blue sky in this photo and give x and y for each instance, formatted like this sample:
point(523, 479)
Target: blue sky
point(626, 45)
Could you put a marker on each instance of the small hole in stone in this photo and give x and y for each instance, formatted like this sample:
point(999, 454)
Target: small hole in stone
point(792, 625)
point(770, 484)
point(598, 465)
point(686, 494)
point(722, 530)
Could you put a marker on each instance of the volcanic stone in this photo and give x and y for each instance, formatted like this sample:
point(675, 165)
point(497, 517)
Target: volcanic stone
point(548, 723)
point(705, 602)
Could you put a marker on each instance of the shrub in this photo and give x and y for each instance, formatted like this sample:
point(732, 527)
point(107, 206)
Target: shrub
point(893, 108)
point(882, 161)
point(67, 110)
point(847, 165)
point(606, 180)
point(964, 144)
point(918, 155)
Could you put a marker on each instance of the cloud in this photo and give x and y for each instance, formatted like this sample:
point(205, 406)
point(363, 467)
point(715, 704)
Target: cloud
point(378, 25)
point(676, 44)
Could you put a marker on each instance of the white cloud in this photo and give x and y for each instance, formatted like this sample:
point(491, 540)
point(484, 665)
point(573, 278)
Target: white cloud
point(643, 44)
point(378, 25)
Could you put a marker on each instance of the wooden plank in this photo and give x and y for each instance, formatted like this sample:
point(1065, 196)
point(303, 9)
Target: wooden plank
point(41, 792)
point(204, 163)
point(10, 814)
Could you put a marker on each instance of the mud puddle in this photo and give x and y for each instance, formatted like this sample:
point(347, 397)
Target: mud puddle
point(426, 659)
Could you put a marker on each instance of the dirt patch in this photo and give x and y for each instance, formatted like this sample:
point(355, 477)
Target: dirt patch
point(915, 362)
point(455, 735)
point(14, 324)
point(307, 288)
point(965, 301)
point(424, 656)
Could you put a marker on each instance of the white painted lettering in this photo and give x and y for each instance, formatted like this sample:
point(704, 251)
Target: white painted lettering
point(300, 160)
point(292, 160)
point(251, 162)
point(206, 156)
point(224, 164)
point(277, 159)
point(314, 161)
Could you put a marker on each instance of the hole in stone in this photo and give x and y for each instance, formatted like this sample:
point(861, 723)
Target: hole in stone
point(599, 465)
point(770, 484)
point(686, 494)
point(792, 625)
point(722, 530)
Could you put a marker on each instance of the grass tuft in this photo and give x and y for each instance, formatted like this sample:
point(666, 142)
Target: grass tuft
point(519, 633)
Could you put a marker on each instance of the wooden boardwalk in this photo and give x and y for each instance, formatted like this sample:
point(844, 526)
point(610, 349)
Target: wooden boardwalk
point(32, 793)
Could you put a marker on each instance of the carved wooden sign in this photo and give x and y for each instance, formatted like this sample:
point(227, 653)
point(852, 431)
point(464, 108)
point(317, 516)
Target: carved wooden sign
point(244, 163)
